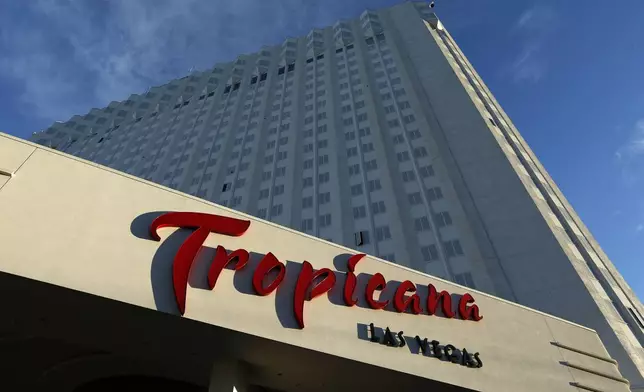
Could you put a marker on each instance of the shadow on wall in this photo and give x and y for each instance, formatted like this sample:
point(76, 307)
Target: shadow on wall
point(162, 287)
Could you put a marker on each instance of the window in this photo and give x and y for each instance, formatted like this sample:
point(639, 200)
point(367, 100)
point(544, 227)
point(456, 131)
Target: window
point(465, 279)
point(263, 194)
point(322, 128)
point(368, 147)
point(422, 224)
point(261, 213)
point(364, 131)
point(402, 156)
point(282, 155)
point(307, 202)
point(443, 219)
point(427, 171)
point(324, 198)
point(362, 238)
point(266, 175)
point(398, 139)
point(378, 207)
point(359, 212)
point(323, 160)
point(430, 253)
point(420, 152)
point(278, 189)
point(325, 220)
point(374, 185)
point(414, 198)
point(356, 190)
point(352, 151)
point(393, 123)
point(283, 140)
point(226, 186)
point(354, 169)
point(434, 193)
point(308, 163)
point(280, 171)
point(350, 136)
point(308, 147)
point(370, 165)
point(347, 121)
point(240, 183)
point(323, 144)
point(307, 182)
point(453, 248)
point(382, 233)
point(408, 176)
point(235, 201)
point(307, 224)
point(276, 210)
point(323, 177)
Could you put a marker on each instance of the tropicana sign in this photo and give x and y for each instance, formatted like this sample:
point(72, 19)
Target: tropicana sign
point(315, 282)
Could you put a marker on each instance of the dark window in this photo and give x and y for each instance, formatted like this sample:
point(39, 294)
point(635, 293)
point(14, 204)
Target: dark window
point(309, 60)
point(362, 238)
point(492, 122)
point(202, 97)
point(253, 80)
point(262, 77)
point(338, 50)
point(291, 67)
point(210, 94)
point(320, 57)
point(179, 105)
point(226, 187)
point(227, 90)
point(236, 86)
point(185, 103)
point(350, 46)
point(280, 71)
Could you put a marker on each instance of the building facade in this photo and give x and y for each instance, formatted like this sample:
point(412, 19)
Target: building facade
point(96, 297)
point(376, 134)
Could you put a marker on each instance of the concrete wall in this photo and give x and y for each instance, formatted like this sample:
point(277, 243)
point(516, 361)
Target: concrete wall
point(81, 226)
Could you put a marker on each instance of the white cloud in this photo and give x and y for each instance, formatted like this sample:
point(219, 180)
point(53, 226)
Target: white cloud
point(532, 29)
point(630, 156)
point(68, 56)
point(639, 228)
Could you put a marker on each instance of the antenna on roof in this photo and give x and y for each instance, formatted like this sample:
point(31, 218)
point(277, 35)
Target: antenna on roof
point(191, 70)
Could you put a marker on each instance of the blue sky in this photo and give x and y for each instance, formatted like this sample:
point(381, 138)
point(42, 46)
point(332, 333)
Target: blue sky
point(569, 74)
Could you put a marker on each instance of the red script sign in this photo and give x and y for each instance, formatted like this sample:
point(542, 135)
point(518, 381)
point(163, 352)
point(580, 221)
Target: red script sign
point(317, 282)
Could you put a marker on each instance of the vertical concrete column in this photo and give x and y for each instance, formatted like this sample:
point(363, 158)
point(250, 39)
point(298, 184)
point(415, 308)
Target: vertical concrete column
point(228, 376)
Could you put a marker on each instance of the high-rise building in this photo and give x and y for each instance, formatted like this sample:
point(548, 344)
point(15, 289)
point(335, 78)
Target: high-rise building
point(375, 133)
